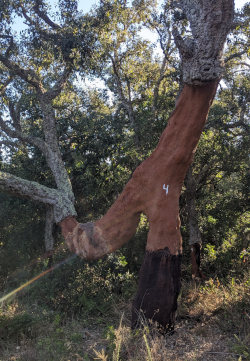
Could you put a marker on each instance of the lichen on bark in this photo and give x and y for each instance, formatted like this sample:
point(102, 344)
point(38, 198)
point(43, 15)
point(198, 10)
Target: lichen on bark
point(62, 205)
point(201, 52)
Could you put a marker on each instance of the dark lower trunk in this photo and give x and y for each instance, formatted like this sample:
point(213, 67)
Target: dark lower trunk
point(158, 290)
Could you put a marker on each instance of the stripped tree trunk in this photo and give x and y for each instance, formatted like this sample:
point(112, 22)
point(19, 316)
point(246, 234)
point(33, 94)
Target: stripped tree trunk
point(155, 186)
point(154, 189)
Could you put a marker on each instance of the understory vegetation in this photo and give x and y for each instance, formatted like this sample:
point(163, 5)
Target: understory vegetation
point(81, 311)
point(50, 322)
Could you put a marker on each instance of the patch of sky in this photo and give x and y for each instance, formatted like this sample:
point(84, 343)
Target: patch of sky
point(86, 6)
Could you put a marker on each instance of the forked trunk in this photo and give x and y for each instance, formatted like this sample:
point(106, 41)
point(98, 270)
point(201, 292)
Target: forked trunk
point(155, 186)
point(154, 189)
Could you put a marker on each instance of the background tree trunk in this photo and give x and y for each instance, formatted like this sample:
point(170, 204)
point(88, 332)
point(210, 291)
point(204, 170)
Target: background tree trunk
point(193, 226)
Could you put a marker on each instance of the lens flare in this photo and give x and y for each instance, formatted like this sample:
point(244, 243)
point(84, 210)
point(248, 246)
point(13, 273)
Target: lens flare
point(4, 298)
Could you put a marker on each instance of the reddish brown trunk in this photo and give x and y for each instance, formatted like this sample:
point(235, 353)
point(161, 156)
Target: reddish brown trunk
point(154, 189)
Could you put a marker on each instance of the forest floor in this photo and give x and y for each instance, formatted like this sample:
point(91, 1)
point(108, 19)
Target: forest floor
point(212, 324)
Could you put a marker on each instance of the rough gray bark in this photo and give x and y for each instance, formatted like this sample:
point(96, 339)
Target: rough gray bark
point(48, 233)
point(61, 198)
point(62, 205)
point(210, 22)
point(53, 154)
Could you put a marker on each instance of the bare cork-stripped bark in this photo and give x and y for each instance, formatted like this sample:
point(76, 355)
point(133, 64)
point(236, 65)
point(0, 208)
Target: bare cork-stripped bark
point(154, 189)
point(155, 186)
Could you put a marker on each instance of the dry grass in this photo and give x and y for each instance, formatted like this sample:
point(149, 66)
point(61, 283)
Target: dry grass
point(212, 324)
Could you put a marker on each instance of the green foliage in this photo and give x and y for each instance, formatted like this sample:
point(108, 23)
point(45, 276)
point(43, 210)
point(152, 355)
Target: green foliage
point(80, 288)
point(241, 348)
point(16, 327)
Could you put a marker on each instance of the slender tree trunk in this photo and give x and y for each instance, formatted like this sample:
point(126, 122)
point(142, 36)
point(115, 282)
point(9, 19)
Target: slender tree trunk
point(195, 240)
point(154, 189)
point(48, 234)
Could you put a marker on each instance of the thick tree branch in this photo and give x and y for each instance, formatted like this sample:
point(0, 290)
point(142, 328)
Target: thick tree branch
point(59, 85)
point(18, 134)
point(28, 75)
point(49, 147)
point(53, 156)
point(62, 206)
point(33, 190)
point(42, 15)
point(46, 35)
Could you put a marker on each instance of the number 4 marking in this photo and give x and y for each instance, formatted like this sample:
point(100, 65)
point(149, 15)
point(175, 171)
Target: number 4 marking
point(165, 188)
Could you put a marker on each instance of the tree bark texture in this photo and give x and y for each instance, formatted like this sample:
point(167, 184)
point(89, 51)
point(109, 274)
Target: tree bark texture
point(157, 295)
point(154, 189)
point(210, 22)
point(62, 205)
point(195, 239)
point(48, 233)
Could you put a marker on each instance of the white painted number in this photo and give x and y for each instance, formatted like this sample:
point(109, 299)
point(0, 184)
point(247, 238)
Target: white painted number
point(165, 188)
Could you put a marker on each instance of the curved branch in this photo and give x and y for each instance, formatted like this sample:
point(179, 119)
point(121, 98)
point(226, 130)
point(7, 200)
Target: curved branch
point(42, 15)
point(28, 75)
point(59, 85)
point(62, 205)
point(22, 187)
point(18, 134)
